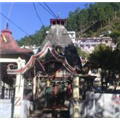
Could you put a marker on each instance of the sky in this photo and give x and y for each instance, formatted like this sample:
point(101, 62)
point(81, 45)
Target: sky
point(23, 14)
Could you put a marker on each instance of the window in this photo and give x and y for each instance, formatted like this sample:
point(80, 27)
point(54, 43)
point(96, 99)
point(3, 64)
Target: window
point(106, 41)
point(53, 22)
point(58, 22)
point(62, 22)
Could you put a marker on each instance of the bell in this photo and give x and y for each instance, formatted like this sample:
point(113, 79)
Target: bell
point(29, 83)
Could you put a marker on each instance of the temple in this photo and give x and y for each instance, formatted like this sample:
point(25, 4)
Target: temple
point(9, 51)
point(50, 78)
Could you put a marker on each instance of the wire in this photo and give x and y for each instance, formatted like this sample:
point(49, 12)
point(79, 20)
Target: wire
point(46, 9)
point(50, 10)
point(37, 14)
point(1, 18)
point(9, 13)
point(14, 23)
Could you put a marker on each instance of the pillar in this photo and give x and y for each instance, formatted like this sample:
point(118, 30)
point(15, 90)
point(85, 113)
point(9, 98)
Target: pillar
point(38, 85)
point(56, 22)
point(19, 90)
point(34, 87)
point(76, 107)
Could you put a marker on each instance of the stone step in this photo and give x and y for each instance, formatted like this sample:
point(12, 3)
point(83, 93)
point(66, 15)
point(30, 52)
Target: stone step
point(40, 114)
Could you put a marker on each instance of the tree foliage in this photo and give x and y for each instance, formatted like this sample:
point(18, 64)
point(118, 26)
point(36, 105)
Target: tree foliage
point(94, 17)
point(101, 55)
point(36, 39)
point(82, 53)
point(105, 58)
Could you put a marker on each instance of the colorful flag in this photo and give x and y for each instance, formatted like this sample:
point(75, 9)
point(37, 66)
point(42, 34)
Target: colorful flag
point(5, 40)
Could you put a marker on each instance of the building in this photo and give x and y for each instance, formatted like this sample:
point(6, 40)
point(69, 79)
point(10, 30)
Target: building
point(88, 44)
point(9, 50)
point(11, 56)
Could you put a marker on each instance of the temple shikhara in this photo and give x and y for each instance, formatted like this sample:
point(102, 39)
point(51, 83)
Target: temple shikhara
point(48, 81)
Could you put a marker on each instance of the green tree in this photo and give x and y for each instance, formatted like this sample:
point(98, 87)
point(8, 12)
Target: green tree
point(101, 16)
point(36, 38)
point(102, 56)
point(109, 12)
point(82, 53)
point(115, 36)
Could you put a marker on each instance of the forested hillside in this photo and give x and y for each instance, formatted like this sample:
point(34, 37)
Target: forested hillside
point(94, 19)
point(36, 38)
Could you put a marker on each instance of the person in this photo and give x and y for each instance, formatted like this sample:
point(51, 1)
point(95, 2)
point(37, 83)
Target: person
point(48, 93)
point(69, 92)
point(116, 81)
point(55, 93)
point(63, 93)
point(103, 73)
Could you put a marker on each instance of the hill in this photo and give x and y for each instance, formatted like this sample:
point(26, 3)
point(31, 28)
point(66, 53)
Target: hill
point(36, 38)
point(94, 19)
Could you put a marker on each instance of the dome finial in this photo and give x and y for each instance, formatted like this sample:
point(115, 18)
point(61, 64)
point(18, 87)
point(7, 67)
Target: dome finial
point(7, 25)
point(58, 15)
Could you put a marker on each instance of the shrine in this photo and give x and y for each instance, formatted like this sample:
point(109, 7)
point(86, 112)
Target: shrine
point(51, 75)
point(11, 56)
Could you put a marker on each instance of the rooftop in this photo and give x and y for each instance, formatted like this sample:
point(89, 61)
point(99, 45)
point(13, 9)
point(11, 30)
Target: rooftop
point(58, 36)
point(8, 45)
